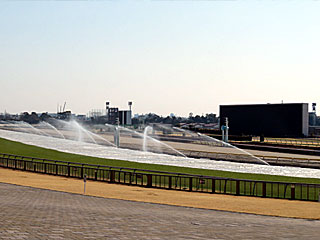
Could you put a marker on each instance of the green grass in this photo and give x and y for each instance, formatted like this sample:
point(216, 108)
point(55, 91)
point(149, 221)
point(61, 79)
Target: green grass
point(16, 148)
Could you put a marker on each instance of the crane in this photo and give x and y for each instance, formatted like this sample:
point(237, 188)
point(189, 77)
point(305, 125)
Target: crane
point(64, 106)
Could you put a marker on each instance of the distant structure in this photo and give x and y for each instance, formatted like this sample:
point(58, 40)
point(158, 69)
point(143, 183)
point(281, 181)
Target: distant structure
point(62, 113)
point(267, 120)
point(97, 113)
point(313, 116)
point(119, 117)
point(314, 122)
point(314, 107)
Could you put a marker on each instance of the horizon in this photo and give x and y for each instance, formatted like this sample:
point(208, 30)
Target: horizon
point(169, 115)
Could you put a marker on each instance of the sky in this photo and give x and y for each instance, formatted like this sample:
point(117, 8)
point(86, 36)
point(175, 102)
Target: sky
point(164, 56)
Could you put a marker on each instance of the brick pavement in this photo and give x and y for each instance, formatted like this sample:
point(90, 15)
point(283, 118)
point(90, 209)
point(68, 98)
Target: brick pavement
point(31, 213)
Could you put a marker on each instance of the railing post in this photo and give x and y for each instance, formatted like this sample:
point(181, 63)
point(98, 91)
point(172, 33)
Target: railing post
point(213, 185)
point(68, 170)
point(24, 165)
point(149, 180)
point(82, 172)
point(237, 187)
point(45, 168)
point(293, 192)
point(95, 174)
point(225, 185)
point(56, 168)
point(190, 184)
point(112, 176)
point(15, 163)
point(170, 182)
point(264, 189)
point(130, 179)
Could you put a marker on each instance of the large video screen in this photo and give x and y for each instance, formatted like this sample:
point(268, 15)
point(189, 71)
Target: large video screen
point(269, 120)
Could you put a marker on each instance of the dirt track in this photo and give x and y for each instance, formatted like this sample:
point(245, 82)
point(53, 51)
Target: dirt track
point(271, 207)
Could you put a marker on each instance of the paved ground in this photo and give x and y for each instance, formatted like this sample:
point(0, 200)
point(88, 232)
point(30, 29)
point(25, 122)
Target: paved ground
point(31, 213)
point(254, 205)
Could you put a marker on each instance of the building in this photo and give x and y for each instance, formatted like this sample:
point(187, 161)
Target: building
point(119, 117)
point(269, 120)
point(66, 115)
point(125, 117)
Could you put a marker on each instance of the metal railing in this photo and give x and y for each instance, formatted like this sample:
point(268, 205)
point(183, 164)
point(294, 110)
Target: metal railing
point(306, 142)
point(164, 180)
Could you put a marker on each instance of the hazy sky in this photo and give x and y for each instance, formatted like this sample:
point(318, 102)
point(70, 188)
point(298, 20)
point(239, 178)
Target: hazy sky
point(165, 56)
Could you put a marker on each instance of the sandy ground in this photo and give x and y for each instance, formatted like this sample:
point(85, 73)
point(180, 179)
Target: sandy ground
point(261, 206)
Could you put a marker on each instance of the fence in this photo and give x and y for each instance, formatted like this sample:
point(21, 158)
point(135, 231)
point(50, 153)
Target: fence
point(164, 180)
point(306, 142)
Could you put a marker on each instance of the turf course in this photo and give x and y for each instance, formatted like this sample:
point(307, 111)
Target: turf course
point(16, 148)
